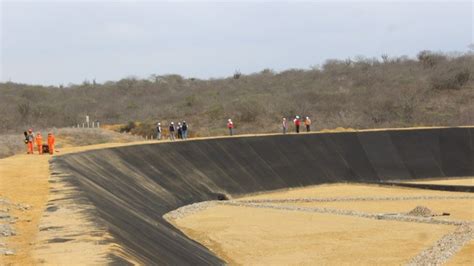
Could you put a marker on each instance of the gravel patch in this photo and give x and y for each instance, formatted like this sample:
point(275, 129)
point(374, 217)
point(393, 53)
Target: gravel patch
point(188, 210)
point(446, 247)
point(6, 223)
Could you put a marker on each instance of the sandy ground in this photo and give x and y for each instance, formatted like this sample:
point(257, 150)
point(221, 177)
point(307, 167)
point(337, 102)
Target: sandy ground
point(459, 209)
point(244, 235)
point(24, 180)
point(348, 190)
point(465, 255)
point(250, 236)
point(459, 182)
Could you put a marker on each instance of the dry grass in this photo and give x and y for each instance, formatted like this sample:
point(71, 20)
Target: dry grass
point(11, 144)
point(73, 137)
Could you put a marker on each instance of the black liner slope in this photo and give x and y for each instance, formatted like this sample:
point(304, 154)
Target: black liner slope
point(133, 186)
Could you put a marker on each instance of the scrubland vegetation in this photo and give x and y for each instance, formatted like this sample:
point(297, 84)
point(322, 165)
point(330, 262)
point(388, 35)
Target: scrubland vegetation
point(432, 89)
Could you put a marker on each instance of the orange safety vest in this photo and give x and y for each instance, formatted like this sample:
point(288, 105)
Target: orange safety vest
point(39, 140)
point(50, 139)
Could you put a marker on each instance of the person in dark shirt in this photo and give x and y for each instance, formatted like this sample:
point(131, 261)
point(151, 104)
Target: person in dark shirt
point(184, 128)
point(171, 131)
point(180, 131)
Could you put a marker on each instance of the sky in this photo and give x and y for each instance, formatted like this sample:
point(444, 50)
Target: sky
point(62, 42)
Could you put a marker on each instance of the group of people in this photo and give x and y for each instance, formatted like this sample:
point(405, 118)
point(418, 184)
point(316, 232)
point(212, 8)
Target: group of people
point(297, 123)
point(181, 130)
point(32, 139)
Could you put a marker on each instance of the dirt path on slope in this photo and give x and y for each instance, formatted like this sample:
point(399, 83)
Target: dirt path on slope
point(25, 190)
point(24, 183)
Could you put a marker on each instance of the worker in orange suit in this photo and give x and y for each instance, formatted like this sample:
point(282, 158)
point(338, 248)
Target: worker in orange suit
point(30, 137)
point(50, 142)
point(39, 143)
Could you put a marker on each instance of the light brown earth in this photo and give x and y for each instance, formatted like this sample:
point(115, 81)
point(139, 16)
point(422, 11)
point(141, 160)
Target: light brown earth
point(24, 179)
point(348, 190)
point(251, 236)
point(458, 182)
point(465, 255)
point(458, 209)
point(244, 235)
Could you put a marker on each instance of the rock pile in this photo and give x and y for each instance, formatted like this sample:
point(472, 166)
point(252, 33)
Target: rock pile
point(421, 211)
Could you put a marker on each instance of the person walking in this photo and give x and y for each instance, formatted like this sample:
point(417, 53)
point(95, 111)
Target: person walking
point(158, 131)
point(284, 125)
point(184, 128)
point(39, 142)
point(31, 139)
point(171, 129)
point(307, 123)
point(230, 126)
point(51, 141)
point(180, 131)
point(297, 124)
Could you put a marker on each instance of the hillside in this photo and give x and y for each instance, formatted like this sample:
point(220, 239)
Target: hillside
point(433, 89)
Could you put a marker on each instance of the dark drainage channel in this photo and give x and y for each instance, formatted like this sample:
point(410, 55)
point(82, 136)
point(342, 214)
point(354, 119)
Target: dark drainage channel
point(453, 188)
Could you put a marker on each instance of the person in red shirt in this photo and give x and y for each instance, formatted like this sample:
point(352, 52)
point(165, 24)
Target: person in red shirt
point(297, 124)
point(230, 126)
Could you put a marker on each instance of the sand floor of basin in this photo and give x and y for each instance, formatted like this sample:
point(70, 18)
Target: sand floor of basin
point(457, 182)
point(348, 190)
point(458, 209)
point(251, 236)
point(256, 236)
point(465, 256)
